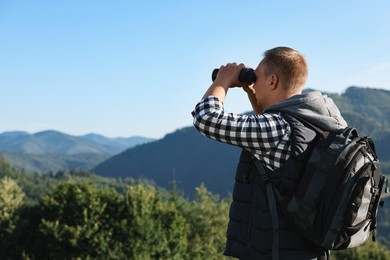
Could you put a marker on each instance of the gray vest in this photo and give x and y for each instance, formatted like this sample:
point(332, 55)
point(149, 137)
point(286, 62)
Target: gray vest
point(249, 232)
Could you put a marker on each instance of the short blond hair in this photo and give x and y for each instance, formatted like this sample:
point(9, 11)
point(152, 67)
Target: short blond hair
point(289, 65)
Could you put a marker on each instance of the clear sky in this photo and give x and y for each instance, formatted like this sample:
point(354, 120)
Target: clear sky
point(123, 68)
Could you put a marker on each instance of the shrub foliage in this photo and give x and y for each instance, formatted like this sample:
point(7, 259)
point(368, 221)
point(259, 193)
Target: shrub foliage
point(80, 216)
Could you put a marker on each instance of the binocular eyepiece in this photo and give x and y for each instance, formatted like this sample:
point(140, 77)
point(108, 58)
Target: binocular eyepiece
point(247, 76)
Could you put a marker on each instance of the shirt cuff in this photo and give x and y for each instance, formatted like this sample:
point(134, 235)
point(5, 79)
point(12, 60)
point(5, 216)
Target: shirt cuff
point(208, 102)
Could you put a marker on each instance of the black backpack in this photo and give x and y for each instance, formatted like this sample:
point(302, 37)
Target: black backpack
point(335, 204)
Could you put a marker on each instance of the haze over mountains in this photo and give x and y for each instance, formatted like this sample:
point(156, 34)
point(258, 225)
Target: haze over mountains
point(52, 150)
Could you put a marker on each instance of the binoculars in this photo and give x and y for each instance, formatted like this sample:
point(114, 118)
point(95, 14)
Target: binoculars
point(247, 76)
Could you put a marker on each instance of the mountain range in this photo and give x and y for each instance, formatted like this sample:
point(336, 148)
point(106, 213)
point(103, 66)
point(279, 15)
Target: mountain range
point(52, 150)
point(184, 159)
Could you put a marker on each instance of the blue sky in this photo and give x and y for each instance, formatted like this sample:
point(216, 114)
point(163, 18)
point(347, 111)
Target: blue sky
point(125, 68)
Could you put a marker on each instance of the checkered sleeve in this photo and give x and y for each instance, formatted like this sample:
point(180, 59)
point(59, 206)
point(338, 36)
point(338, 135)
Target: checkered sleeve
point(265, 135)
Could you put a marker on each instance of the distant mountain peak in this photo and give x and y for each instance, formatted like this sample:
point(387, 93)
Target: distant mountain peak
point(14, 134)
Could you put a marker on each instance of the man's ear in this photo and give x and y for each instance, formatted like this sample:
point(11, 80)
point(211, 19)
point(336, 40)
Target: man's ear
point(273, 81)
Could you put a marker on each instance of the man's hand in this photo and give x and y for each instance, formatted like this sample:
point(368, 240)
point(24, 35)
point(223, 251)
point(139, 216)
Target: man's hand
point(228, 75)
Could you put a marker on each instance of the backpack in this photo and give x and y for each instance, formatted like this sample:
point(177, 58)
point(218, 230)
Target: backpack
point(336, 202)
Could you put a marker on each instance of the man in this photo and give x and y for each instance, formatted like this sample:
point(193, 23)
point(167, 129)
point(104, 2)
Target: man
point(279, 141)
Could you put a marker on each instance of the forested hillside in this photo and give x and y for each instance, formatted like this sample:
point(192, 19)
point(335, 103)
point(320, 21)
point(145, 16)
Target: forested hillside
point(195, 159)
point(184, 155)
point(369, 111)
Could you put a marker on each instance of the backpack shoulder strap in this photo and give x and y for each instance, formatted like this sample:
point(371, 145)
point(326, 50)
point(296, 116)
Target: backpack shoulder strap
point(272, 207)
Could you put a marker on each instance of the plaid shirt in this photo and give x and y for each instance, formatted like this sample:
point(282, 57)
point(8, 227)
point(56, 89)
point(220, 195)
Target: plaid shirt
point(266, 135)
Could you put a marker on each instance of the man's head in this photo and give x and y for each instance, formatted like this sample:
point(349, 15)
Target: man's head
point(288, 65)
point(281, 74)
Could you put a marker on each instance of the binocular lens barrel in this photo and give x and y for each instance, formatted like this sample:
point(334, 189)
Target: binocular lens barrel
point(247, 76)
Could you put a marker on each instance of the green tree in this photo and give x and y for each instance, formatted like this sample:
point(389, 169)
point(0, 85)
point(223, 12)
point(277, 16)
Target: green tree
point(207, 217)
point(71, 222)
point(369, 251)
point(11, 198)
point(157, 229)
